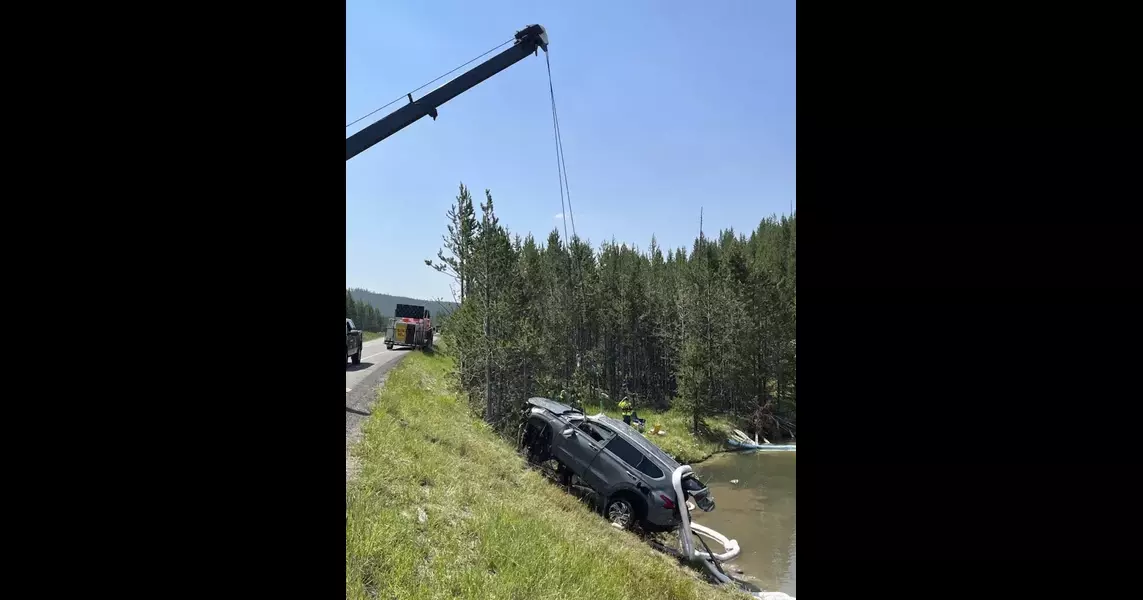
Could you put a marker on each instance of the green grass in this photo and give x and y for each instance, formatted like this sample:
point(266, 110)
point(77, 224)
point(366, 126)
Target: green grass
point(443, 508)
point(369, 336)
point(684, 446)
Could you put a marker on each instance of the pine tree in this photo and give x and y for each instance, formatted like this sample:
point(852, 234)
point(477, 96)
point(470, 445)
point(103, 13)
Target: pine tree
point(350, 307)
point(370, 318)
point(711, 332)
point(461, 229)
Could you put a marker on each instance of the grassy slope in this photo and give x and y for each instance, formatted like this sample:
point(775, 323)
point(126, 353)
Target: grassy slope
point(369, 336)
point(492, 528)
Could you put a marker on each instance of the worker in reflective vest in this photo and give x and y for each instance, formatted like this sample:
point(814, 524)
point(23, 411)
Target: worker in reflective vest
point(629, 415)
point(625, 406)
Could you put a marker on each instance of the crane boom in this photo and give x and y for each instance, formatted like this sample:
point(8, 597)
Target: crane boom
point(528, 41)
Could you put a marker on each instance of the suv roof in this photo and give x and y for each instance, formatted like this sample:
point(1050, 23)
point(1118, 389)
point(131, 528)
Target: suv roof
point(619, 427)
point(630, 434)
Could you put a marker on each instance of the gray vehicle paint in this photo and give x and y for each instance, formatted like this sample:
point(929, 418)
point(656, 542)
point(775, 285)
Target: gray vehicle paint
point(600, 451)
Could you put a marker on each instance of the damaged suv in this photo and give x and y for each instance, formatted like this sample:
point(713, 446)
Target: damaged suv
point(631, 475)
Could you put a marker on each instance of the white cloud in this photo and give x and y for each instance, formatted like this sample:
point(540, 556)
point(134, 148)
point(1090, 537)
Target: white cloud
point(558, 216)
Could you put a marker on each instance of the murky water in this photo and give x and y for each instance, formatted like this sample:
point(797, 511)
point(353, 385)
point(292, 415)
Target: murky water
point(759, 511)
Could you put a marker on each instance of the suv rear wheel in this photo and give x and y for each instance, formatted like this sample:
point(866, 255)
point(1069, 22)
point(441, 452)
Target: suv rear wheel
point(621, 511)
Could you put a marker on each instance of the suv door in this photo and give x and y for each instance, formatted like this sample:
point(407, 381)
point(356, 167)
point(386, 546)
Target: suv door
point(577, 446)
point(617, 467)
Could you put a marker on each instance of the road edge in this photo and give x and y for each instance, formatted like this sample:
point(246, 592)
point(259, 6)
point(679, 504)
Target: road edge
point(358, 406)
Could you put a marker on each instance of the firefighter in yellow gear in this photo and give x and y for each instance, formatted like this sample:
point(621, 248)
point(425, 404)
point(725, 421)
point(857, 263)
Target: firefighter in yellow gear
point(625, 406)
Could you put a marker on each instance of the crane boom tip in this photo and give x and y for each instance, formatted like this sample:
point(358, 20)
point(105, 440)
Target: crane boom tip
point(536, 33)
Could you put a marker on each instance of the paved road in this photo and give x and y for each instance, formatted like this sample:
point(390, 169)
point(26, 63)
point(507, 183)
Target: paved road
point(360, 384)
point(374, 358)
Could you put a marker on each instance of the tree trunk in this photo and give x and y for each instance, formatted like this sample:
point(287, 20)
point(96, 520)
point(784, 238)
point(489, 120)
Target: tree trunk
point(487, 370)
point(778, 402)
point(488, 416)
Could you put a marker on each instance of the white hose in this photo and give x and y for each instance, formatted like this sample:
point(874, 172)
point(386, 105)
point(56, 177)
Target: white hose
point(732, 549)
point(707, 559)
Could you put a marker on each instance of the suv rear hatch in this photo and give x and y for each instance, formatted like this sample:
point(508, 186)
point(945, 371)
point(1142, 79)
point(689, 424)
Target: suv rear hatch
point(697, 489)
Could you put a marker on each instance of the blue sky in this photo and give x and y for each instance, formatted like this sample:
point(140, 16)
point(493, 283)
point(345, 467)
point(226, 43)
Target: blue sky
point(664, 106)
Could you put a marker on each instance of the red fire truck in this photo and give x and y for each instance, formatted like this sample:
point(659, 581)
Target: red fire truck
point(410, 327)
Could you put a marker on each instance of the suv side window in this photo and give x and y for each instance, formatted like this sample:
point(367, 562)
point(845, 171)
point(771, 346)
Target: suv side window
point(596, 432)
point(632, 456)
point(649, 468)
point(626, 452)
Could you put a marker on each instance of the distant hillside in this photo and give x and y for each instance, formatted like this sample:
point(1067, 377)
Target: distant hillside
point(386, 304)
